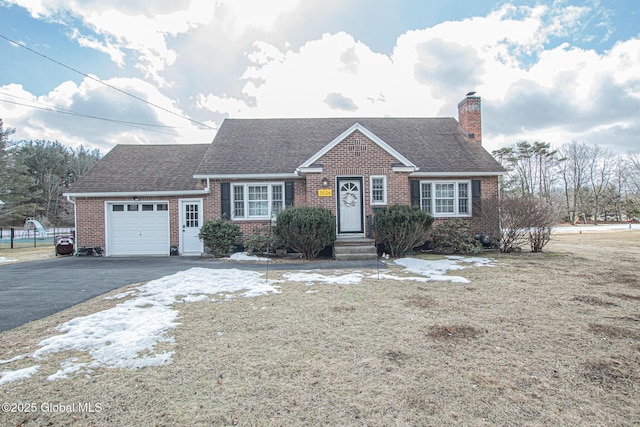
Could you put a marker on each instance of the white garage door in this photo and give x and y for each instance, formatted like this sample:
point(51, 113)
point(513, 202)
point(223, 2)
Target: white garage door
point(140, 228)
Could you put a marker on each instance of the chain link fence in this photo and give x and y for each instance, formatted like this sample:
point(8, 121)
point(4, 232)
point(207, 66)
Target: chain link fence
point(15, 237)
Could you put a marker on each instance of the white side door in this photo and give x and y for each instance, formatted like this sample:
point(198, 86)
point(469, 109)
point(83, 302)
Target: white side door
point(190, 223)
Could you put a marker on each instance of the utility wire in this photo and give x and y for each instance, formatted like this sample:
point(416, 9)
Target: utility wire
point(72, 113)
point(104, 83)
point(56, 109)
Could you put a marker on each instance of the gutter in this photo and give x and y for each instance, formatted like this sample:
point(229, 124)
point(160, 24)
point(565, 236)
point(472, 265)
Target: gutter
point(141, 193)
point(250, 176)
point(452, 174)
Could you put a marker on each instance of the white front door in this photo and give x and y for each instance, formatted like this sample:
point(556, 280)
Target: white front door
point(350, 205)
point(190, 223)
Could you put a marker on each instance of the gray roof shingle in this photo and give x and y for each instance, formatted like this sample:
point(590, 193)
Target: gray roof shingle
point(278, 146)
point(270, 146)
point(138, 168)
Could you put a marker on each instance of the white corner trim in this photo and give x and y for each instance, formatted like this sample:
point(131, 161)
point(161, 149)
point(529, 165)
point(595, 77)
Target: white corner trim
point(366, 132)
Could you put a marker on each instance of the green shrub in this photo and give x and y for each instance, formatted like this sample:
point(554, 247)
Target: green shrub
point(263, 240)
point(401, 228)
point(453, 235)
point(218, 235)
point(306, 230)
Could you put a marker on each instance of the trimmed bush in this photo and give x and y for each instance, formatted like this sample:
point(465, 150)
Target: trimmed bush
point(453, 235)
point(218, 235)
point(401, 228)
point(263, 240)
point(306, 230)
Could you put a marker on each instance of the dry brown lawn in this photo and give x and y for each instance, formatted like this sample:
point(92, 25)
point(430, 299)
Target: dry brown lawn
point(28, 253)
point(539, 339)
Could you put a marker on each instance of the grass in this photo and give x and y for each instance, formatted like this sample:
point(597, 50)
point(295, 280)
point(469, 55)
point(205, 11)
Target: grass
point(539, 339)
point(28, 253)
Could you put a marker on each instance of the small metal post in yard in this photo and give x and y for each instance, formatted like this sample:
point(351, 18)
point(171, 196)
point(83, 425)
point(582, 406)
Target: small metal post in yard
point(266, 279)
point(375, 243)
point(13, 233)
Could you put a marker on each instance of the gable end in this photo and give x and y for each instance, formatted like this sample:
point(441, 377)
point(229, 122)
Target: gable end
point(358, 127)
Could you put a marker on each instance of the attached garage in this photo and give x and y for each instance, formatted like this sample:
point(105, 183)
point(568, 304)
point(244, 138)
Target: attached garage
point(137, 228)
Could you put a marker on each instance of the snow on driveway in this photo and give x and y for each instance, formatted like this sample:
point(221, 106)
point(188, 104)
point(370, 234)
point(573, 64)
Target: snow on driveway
point(126, 335)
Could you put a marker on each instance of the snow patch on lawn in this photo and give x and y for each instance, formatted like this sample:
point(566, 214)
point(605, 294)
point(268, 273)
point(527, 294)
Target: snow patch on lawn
point(126, 335)
point(68, 367)
point(436, 270)
point(243, 256)
point(385, 276)
point(311, 276)
point(3, 259)
point(13, 359)
point(7, 377)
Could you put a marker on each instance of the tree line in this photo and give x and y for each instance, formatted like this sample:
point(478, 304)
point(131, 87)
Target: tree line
point(33, 176)
point(584, 183)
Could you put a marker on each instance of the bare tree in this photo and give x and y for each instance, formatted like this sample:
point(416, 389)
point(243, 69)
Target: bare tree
point(634, 172)
point(572, 168)
point(600, 166)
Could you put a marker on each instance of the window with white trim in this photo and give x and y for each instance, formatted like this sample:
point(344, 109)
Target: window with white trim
point(445, 198)
point(257, 201)
point(378, 190)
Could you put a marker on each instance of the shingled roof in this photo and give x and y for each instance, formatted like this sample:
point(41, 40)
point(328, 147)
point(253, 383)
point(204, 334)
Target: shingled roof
point(143, 168)
point(280, 146)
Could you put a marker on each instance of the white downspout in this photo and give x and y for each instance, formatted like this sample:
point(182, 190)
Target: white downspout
point(75, 223)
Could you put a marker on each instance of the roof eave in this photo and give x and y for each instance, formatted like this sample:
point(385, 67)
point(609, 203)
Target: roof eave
point(137, 193)
point(452, 174)
point(249, 176)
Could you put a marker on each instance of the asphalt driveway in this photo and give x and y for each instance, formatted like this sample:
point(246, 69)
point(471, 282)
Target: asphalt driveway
point(36, 289)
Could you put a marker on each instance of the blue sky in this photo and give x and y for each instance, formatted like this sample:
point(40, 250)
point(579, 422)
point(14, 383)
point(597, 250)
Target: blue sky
point(554, 71)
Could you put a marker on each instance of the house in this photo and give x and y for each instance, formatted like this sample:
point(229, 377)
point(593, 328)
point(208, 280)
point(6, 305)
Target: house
point(152, 199)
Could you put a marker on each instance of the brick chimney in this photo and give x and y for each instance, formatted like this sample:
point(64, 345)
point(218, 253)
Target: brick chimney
point(469, 117)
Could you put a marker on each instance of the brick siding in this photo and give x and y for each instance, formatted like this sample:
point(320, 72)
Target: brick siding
point(355, 156)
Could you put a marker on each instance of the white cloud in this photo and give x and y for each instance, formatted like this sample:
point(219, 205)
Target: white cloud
point(232, 58)
point(109, 109)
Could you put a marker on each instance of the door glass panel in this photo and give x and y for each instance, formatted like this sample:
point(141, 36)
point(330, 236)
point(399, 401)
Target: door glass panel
point(349, 194)
point(191, 215)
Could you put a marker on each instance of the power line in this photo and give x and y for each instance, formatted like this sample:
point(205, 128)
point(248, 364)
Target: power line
point(104, 83)
point(56, 109)
point(73, 113)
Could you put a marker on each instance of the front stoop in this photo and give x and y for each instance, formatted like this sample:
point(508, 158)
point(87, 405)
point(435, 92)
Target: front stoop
point(353, 249)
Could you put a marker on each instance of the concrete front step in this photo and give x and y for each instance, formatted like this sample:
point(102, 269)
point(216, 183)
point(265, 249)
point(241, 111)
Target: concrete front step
point(356, 257)
point(355, 249)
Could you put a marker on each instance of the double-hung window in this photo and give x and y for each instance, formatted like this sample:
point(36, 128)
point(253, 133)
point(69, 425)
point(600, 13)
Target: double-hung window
point(445, 198)
point(379, 190)
point(257, 201)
